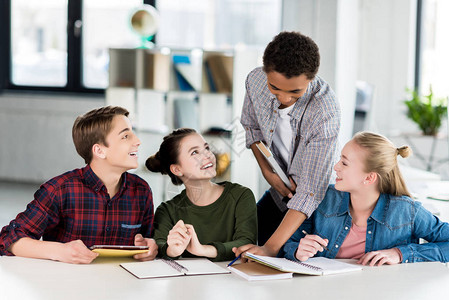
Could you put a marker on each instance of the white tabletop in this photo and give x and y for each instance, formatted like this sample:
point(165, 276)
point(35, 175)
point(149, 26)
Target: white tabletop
point(22, 278)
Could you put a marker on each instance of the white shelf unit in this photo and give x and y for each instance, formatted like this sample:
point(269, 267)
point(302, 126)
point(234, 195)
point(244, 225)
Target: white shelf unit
point(146, 82)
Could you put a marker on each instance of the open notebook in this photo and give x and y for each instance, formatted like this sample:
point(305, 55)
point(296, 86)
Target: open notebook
point(171, 268)
point(313, 266)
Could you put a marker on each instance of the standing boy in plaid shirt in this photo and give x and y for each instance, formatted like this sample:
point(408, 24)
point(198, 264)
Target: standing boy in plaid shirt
point(100, 204)
point(296, 113)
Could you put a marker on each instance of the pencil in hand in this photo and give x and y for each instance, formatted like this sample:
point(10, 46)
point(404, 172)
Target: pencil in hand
point(305, 232)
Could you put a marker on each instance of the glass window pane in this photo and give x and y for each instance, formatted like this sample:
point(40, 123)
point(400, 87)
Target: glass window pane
point(218, 23)
point(435, 47)
point(106, 24)
point(39, 42)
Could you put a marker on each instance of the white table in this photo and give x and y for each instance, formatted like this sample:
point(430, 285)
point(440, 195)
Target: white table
point(22, 278)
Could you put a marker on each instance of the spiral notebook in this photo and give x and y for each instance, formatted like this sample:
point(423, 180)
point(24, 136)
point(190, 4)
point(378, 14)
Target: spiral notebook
point(170, 268)
point(313, 266)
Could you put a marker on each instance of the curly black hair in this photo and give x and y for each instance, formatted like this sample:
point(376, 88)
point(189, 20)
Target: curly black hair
point(292, 54)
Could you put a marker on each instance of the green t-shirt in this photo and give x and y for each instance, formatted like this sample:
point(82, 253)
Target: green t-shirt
point(231, 221)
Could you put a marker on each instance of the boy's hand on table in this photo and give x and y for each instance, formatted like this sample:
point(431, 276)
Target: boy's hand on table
point(139, 240)
point(75, 252)
point(254, 249)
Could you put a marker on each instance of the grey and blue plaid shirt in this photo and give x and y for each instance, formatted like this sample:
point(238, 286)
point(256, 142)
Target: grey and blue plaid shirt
point(315, 122)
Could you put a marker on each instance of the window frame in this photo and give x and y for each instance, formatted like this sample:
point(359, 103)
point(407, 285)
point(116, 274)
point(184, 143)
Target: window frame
point(74, 52)
point(418, 45)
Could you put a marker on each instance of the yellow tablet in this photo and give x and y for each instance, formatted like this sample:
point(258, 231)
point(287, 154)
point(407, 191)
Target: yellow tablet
point(118, 251)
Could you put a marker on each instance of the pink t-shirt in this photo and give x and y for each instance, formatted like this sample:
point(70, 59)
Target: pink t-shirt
point(354, 244)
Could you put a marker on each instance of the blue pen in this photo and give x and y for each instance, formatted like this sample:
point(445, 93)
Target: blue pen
point(235, 259)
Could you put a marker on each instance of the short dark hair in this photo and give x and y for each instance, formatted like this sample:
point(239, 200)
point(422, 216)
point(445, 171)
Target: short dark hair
point(168, 154)
point(292, 54)
point(92, 128)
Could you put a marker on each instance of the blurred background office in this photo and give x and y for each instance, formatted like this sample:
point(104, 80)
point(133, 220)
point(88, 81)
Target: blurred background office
point(55, 63)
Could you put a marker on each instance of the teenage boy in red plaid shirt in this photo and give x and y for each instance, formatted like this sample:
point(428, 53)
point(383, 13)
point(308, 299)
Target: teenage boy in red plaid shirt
point(100, 204)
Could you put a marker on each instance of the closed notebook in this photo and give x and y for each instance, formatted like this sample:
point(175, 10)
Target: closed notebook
point(170, 268)
point(118, 251)
point(313, 266)
point(256, 271)
point(273, 163)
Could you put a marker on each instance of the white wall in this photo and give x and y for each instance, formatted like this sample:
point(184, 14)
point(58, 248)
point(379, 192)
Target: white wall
point(333, 25)
point(36, 134)
point(386, 60)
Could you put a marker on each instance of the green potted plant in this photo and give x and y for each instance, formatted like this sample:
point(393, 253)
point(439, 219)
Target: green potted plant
point(426, 111)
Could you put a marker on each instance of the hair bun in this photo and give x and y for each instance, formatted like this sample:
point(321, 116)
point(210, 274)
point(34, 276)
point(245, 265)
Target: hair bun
point(153, 163)
point(404, 151)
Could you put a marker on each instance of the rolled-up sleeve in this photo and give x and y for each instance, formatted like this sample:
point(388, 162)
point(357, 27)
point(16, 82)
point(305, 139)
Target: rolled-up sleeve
point(40, 214)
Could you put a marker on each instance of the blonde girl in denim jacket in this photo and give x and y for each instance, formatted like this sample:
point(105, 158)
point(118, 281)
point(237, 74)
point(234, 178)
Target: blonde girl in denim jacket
point(368, 214)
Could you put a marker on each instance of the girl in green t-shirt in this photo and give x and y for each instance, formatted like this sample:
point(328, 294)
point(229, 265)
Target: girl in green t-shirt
point(206, 219)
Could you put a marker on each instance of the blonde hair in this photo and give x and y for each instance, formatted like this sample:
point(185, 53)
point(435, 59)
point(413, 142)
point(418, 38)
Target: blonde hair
point(381, 158)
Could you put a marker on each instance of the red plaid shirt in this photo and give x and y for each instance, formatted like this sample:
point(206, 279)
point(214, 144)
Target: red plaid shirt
point(76, 205)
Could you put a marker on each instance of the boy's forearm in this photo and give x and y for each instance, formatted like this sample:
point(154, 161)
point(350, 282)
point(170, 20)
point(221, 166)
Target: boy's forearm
point(74, 252)
point(291, 222)
point(28, 247)
point(261, 161)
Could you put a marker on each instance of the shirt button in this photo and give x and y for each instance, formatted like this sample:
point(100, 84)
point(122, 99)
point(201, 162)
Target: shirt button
point(346, 228)
point(271, 130)
point(108, 229)
point(312, 194)
point(275, 111)
point(369, 232)
point(336, 246)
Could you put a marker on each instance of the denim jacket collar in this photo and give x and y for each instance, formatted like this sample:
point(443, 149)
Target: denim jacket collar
point(380, 211)
point(344, 205)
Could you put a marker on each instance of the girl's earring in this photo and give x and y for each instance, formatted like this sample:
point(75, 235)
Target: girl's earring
point(180, 175)
point(365, 182)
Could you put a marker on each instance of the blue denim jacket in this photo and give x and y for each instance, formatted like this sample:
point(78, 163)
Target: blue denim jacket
point(396, 222)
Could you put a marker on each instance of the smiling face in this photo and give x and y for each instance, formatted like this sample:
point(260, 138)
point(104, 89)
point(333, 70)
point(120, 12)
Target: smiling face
point(195, 159)
point(122, 145)
point(287, 90)
point(350, 169)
